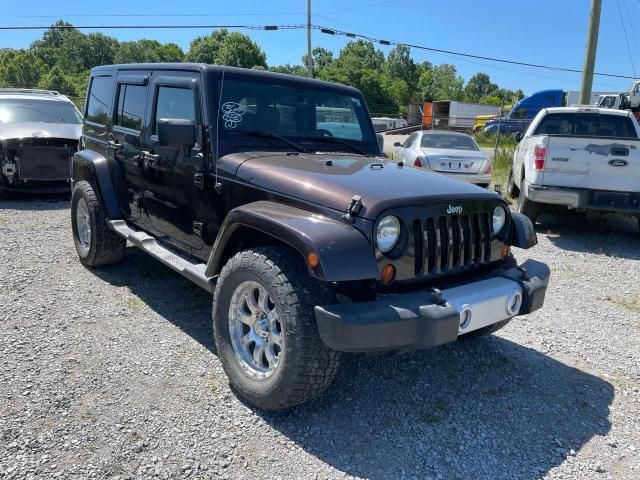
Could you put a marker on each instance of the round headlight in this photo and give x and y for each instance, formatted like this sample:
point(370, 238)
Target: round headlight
point(499, 219)
point(388, 233)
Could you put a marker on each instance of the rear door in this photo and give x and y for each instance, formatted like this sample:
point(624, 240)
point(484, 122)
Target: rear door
point(126, 134)
point(401, 153)
point(174, 176)
point(591, 150)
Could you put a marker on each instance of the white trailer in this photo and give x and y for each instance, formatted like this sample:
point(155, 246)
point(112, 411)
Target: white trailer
point(572, 97)
point(459, 115)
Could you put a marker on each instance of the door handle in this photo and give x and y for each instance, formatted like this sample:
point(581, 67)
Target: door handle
point(150, 159)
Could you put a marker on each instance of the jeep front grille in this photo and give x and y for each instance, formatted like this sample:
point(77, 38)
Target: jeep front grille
point(452, 242)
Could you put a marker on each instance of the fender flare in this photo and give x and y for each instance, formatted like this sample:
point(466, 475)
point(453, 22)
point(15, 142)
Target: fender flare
point(94, 168)
point(523, 234)
point(344, 252)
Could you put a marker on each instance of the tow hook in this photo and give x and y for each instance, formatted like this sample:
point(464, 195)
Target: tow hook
point(353, 209)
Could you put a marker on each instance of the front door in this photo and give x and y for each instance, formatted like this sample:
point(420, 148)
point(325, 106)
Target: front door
point(173, 178)
point(125, 139)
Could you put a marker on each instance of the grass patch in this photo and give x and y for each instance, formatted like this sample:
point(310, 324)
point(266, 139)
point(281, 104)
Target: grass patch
point(631, 303)
point(134, 304)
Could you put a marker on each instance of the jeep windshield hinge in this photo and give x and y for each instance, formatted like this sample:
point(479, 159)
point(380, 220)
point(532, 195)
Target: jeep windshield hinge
point(353, 209)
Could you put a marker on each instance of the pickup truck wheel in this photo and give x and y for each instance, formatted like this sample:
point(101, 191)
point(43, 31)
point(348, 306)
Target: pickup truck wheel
point(512, 189)
point(265, 329)
point(95, 243)
point(527, 207)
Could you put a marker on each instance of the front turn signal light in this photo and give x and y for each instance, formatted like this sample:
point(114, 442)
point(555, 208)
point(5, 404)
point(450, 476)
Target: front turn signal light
point(387, 274)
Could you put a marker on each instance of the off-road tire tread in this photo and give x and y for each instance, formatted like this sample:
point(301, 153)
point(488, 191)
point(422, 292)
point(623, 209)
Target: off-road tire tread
point(315, 365)
point(107, 246)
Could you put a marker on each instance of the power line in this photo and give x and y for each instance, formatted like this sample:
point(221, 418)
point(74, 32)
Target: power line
point(150, 27)
point(624, 29)
point(332, 31)
point(323, 29)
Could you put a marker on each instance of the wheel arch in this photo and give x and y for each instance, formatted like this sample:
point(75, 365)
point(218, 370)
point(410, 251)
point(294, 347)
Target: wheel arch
point(343, 252)
point(94, 168)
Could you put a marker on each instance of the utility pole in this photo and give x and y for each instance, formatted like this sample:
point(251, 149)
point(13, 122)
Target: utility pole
point(309, 59)
point(590, 52)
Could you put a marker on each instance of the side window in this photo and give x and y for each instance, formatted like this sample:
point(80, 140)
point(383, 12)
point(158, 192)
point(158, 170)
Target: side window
point(131, 102)
point(409, 141)
point(99, 100)
point(176, 103)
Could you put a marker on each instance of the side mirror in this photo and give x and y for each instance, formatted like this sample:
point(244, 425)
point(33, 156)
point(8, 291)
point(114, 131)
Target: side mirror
point(380, 138)
point(518, 136)
point(397, 144)
point(173, 132)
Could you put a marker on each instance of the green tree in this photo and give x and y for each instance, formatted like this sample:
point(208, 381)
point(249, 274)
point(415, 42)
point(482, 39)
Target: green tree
point(98, 49)
point(55, 79)
point(20, 69)
point(143, 51)
point(479, 86)
point(401, 65)
point(290, 69)
point(441, 83)
point(227, 48)
point(321, 58)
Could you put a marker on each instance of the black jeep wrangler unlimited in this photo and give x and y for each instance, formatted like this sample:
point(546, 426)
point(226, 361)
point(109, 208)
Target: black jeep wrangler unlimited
point(270, 192)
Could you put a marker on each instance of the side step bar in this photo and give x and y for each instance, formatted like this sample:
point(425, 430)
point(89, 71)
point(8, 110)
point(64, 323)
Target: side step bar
point(193, 271)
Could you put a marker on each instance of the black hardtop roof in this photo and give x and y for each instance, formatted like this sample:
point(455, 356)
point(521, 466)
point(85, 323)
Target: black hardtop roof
point(223, 69)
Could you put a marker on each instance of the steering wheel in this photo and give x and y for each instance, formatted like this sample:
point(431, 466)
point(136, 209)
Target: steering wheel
point(323, 132)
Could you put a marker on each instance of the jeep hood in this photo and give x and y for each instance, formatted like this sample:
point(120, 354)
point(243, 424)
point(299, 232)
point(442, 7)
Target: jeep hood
point(331, 180)
point(11, 131)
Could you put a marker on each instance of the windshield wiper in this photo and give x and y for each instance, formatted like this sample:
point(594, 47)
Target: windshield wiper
point(341, 142)
point(258, 133)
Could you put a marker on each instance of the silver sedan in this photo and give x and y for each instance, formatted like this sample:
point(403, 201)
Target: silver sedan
point(456, 155)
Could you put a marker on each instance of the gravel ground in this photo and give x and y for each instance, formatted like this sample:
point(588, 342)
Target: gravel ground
point(113, 374)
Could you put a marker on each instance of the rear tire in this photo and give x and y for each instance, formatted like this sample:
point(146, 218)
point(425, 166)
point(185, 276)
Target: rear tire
point(95, 243)
point(527, 207)
point(512, 189)
point(292, 365)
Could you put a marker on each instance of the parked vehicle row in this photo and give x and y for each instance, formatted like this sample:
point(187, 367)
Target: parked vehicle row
point(456, 155)
point(39, 133)
point(584, 158)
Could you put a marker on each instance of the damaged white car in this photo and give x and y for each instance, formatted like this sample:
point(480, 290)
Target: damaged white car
point(39, 133)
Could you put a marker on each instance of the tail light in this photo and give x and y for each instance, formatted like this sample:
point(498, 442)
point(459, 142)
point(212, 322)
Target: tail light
point(489, 167)
point(539, 156)
point(417, 162)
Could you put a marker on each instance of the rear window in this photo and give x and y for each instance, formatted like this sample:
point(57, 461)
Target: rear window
point(99, 100)
point(587, 125)
point(444, 140)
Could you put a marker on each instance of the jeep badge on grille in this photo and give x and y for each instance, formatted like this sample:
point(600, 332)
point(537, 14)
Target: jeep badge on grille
point(453, 209)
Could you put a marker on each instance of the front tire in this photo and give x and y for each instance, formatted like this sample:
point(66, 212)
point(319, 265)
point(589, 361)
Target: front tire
point(265, 329)
point(95, 243)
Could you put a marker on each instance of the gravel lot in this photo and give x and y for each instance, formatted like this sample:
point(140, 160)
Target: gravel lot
point(113, 374)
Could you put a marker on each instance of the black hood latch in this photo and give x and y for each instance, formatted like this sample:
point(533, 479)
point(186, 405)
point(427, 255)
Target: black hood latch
point(353, 209)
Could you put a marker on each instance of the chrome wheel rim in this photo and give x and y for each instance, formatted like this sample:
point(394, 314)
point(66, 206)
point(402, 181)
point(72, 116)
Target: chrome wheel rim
point(255, 330)
point(83, 225)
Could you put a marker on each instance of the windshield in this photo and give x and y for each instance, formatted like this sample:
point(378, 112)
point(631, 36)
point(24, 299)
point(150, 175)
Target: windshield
point(38, 111)
point(447, 141)
point(316, 118)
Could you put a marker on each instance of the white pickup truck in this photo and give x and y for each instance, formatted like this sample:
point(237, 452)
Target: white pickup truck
point(586, 158)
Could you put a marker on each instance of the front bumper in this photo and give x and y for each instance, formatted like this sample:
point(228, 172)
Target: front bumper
point(417, 320)
point(603, 200)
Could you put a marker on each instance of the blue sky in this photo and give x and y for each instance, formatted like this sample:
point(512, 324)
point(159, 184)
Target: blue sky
point(542, 31)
